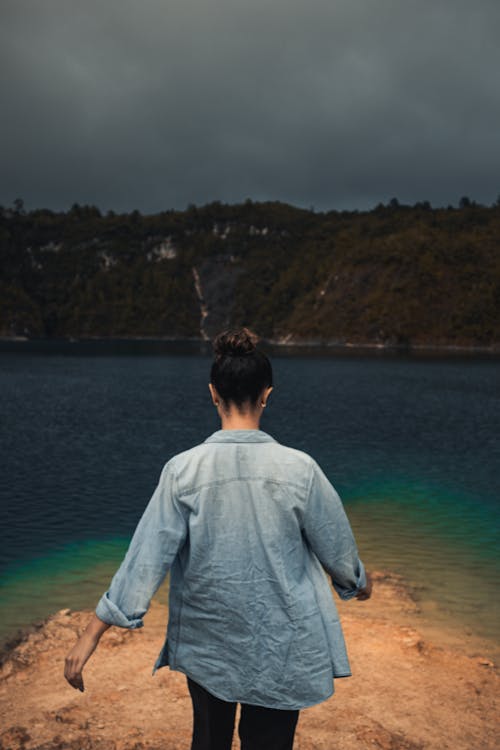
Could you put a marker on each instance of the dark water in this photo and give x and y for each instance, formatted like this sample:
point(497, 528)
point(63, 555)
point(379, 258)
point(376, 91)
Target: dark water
point(411, 445)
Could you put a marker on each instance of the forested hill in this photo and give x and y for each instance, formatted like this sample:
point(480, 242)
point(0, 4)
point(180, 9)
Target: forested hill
point(395, 275)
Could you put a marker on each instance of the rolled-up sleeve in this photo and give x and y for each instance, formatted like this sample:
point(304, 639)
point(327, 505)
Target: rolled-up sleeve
point(159, 535)
point(329, 535)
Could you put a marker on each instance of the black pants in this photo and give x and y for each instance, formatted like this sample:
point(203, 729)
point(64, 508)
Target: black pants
point(259, 728)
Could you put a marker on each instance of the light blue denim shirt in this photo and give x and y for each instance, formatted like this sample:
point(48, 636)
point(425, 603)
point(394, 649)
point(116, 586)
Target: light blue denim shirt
point(247, 528)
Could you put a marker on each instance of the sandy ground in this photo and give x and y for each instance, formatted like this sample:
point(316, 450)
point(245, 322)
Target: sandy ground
point(407, 692)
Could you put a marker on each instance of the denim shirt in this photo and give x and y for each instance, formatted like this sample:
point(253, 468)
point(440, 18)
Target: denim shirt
point(247, 528)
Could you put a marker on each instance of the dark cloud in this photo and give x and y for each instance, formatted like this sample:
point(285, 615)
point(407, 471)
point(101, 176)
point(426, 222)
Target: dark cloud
point(327, 103)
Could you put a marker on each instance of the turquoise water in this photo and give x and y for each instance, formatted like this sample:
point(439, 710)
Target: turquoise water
point(411, 445)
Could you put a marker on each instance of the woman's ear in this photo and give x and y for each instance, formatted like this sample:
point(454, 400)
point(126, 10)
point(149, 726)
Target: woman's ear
point(214, 394)
point(265, 395)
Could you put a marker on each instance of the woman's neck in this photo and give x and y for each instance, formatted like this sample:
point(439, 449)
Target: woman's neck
point(236, 420)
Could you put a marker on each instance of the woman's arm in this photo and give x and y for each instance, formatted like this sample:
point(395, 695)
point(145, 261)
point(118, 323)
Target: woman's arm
point(160, 533)
point(327, 529)
point(81, 652)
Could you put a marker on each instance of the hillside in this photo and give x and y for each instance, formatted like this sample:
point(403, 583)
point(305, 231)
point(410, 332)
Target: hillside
point(396, 275)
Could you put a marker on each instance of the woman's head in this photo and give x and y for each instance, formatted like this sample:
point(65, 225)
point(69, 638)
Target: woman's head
point(241, 374)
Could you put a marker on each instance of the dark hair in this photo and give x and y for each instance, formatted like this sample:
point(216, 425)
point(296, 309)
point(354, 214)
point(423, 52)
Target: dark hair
point(240, 371)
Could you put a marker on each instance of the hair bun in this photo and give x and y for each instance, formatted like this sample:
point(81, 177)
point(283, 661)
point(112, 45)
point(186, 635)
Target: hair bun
point(235, 343)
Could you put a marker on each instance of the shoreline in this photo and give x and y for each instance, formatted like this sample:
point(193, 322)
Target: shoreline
point(450, 620)
point(408, 691)
point(410, 610)
point(280, 344)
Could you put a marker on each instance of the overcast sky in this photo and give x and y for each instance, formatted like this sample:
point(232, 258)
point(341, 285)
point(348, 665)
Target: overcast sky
point(155, 104)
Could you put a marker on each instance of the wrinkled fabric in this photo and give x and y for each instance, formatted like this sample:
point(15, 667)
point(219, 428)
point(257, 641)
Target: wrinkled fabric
point(247, 528)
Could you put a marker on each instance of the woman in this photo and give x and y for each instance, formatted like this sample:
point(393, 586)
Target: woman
point(245, 525)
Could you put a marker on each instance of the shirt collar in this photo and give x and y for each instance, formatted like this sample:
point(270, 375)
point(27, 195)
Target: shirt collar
point(240, 436)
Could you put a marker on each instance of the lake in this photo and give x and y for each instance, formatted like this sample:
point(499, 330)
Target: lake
point(411, 444)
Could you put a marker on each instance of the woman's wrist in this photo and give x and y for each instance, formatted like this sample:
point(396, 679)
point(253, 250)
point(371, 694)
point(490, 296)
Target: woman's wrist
point(95, 629)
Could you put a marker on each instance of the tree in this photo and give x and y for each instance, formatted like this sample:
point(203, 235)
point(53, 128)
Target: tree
point(19, 206)
point(424, 205)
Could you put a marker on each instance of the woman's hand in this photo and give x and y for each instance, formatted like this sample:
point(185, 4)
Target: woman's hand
point(76, 660)
point(82, 651)
point(365, 593)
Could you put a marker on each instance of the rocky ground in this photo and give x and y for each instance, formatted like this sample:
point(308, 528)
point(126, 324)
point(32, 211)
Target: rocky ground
point(413, 687)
